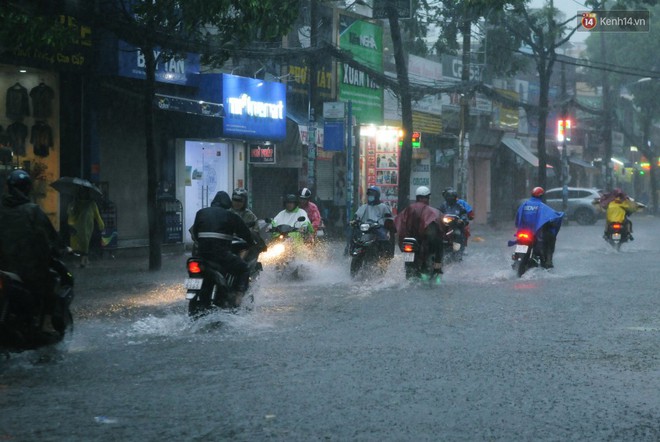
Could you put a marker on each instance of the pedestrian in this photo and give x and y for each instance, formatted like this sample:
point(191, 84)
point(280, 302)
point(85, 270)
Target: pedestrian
point(82, 213)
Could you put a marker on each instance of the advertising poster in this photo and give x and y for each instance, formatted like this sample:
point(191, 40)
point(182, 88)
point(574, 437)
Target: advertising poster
point(382, 166)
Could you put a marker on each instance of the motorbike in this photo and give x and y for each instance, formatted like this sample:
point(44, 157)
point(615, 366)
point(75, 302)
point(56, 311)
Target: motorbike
point(453, 241)
point(418, 262)
point(525, 255)
point(365, 248)
point(282, 250)
point(20, 327)
point(210, 286)
point(617, 234)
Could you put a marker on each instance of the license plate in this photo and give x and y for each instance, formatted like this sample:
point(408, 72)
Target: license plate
point(520, 248)
point(408, 257)
point(193, 283)
point(616, 236)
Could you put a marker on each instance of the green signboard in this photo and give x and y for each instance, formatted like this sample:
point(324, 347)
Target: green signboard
point(365, 41)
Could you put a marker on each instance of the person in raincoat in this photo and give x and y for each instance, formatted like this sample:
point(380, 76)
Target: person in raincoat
point(28, 242)
point(618, 209)
point(82, 213)
point(376, 210)
point(422, 222)
point(544, 221)
point(290, 215)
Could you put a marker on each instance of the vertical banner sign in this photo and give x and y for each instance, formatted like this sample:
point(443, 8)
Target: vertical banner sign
point(365, 41)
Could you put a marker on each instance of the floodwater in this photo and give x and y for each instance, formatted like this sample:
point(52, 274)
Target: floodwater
point(566, 354)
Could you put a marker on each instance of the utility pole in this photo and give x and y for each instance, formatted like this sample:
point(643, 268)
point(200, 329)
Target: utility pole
point(566, 123)
point(607, 114)
point(464, 146)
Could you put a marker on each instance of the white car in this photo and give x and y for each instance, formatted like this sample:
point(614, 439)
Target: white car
point(581, 207)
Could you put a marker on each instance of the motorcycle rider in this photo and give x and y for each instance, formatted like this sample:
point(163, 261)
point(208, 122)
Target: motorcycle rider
point(544, 221)
point(213, 230)
point(239, 200)
point(289, 216)
point(421, 221)
point(312, 209)
point(618, 210)
point(453, 205)
point(28, 242)
point(376, 210)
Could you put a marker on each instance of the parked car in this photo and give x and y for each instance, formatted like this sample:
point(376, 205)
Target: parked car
point(580, 203)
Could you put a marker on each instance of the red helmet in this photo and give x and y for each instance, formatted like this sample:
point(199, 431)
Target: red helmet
point(538, 192)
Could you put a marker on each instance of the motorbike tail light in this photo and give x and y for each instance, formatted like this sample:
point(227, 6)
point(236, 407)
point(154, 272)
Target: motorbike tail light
point(524, 236)
point(408, 248)
point(194, 267)
point(616, 226)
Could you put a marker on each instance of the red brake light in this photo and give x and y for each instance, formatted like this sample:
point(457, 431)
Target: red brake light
point(616, 226)
point(524, 235)
point(408, 248)
point(194, 267)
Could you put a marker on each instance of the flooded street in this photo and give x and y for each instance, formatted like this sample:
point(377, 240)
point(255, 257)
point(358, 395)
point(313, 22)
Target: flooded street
point(566, 354)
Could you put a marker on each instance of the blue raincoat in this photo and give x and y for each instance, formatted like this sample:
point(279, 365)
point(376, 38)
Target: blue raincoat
point(534, 214)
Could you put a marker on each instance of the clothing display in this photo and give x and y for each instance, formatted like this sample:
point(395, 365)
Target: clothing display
point(42, 97)
point(41, 138)
point(17, 133)
point(17, 102)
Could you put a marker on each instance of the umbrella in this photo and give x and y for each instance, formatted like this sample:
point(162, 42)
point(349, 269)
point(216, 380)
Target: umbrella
point(71, 185)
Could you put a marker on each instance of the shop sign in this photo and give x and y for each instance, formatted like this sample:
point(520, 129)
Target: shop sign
point(175, 71)
point(262, 154)
point(254, 109)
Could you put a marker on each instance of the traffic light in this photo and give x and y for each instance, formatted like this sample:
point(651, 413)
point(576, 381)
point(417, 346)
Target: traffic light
point(564, 130)
point(416, 140)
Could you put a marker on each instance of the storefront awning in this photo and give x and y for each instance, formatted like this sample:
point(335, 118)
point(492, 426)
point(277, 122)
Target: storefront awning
point(521, 150)
point(581, 162)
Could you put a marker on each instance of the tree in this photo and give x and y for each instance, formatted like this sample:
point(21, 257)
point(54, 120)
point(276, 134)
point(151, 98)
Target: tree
point(543, 34)
point(631, 49)
point(27, 26)
point(213, 28)
point(456, 18)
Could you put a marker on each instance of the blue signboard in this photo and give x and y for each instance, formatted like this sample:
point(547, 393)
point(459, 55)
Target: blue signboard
point(253, 108)
point(333, 135)
point(176, 71)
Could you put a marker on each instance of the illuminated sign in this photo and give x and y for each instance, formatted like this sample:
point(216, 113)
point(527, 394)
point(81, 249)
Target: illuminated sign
point(254, 109)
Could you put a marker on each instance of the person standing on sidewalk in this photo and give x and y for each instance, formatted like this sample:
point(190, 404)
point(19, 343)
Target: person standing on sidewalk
point(82, 213)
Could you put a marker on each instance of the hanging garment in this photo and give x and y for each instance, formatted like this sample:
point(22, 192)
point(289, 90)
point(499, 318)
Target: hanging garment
point(17, 133)
point(41, 138)
point(42, 97)
point(17, 102)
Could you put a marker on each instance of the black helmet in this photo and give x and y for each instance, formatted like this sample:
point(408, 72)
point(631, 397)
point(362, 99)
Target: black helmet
point(19, 182)
point(450, 194)
point(305, 194)
point(240, 194)
point(291, 198)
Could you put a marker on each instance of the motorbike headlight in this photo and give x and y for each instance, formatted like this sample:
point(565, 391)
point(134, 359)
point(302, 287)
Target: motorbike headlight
point(364, 227)
point(446, 220)
point(273, 252)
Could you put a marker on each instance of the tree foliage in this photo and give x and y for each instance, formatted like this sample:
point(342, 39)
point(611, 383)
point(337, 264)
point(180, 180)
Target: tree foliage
point(27, 27)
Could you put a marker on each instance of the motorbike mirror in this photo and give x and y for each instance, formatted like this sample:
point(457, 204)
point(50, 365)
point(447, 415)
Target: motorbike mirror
point(301, 218)
point(387, 215)
point(268, 220)
point(251, 224)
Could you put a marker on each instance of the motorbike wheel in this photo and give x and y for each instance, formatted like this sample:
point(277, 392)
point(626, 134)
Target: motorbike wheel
point(356, 265)
point(520, 266)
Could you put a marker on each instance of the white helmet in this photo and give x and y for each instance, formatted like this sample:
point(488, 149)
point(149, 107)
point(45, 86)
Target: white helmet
point(423, 191)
